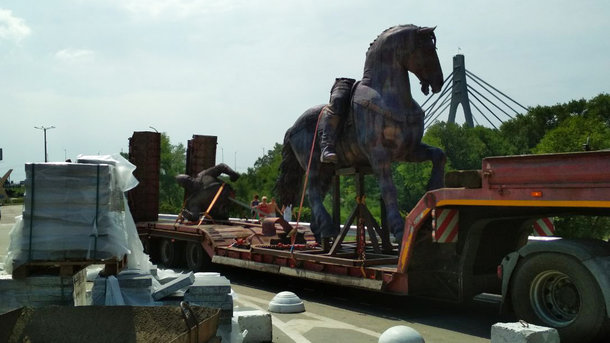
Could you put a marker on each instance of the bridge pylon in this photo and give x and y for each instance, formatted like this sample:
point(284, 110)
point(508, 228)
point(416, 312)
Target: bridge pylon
point(459, 94)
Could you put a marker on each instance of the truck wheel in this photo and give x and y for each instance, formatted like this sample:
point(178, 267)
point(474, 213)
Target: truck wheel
point(169, 253)
point(196, 258)
point(556, 290)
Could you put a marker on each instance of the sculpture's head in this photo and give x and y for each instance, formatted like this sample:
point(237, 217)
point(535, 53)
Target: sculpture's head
point(423, 61)
point(405, 47)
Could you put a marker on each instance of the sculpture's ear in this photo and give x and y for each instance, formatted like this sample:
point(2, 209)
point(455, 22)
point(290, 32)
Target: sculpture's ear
point(426, 30)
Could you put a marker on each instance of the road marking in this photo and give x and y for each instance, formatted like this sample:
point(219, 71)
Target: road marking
point(295, 328)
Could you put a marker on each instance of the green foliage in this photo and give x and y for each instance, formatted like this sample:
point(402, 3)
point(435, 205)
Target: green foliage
point(260, 179)
point(173, 162)
point(410, 180)
point(15, 191)
point(583, 227)
point(567, 128)
point(525, 131)
point(464, 146)
point(573, 133)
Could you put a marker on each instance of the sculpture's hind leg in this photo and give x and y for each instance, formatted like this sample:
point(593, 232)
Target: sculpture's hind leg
point(424, 152)
point(381, 164)
point(315, 193)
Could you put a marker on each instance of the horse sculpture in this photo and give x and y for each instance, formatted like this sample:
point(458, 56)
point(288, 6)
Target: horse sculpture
point(384, 124)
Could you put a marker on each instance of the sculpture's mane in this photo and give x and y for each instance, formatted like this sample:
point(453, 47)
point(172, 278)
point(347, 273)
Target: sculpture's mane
point(391, 30)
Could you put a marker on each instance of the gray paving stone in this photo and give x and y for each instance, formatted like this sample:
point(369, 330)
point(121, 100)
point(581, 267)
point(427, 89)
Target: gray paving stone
point(173, 286)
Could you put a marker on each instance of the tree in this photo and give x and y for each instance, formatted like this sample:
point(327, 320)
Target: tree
point(173, 162)
point(260, 179)
point(575, 126)
point(465, 146)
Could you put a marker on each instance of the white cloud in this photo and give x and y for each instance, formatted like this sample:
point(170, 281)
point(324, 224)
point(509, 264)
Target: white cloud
point(177, 8)
point(11, 27)
point(70, 55)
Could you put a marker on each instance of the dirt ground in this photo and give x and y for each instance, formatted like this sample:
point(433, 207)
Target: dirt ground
point(93, 324)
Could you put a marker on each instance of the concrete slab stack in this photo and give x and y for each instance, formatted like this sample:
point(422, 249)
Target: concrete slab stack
point(182, 281)
point(212, 290)
point(135, 287)
point(72, 211)
point(42, 290)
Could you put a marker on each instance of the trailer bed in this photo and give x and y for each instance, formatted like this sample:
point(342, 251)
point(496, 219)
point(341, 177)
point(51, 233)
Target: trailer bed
point(243, 244)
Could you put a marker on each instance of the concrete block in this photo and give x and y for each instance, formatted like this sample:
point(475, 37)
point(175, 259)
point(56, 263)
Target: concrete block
point(258, 324)
point(210, 284)
point(40, 290)
point(135, 288)
point(522, 333)
point(164, 276)
point(134, 280)
point(224, 305)
point(182, 281)
point(153, 270)
point(211, 298)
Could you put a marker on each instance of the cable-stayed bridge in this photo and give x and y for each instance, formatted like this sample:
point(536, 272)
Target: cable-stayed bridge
point(493, 107)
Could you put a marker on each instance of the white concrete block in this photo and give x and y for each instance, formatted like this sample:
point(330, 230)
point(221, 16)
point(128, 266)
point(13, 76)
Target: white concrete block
point(523, 333)
point(258, 324)
point(184, 280)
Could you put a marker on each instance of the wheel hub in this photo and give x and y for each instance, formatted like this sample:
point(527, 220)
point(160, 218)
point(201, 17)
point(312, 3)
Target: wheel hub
point(555, 298)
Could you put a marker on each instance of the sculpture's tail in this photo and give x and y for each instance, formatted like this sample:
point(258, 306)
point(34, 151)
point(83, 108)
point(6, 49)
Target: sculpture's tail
point(290, 179)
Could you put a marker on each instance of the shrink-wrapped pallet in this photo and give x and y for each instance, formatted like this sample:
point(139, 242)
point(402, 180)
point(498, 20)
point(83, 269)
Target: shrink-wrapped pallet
point(74, 211)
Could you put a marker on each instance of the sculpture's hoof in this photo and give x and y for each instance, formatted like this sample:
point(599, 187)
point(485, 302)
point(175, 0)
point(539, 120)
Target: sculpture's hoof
point(326, 244)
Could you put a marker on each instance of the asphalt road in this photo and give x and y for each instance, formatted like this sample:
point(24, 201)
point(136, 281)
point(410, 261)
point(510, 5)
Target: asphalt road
point(337, 314)
point(343, 315)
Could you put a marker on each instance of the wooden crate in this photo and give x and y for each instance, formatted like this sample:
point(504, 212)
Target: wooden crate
point(67, 268)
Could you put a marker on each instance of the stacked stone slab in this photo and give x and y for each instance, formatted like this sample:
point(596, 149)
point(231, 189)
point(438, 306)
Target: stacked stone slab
point(212, 291)
point(72, 211)
point(171, 287)
point(43, 290)
point(136, 289)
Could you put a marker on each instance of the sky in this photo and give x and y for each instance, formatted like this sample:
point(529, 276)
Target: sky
point(245, 70)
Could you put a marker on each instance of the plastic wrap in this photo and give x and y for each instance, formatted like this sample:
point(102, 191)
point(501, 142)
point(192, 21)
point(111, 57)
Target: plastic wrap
point(77, 211)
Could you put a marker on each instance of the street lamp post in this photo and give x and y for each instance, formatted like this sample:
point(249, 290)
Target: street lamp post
point(45, 128)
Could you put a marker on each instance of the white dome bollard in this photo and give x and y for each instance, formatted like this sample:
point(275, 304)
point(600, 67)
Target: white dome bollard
point(286, 302)
point(401, 334)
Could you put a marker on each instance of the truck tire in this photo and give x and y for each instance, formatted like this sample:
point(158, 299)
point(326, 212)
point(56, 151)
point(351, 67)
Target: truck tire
point(170, 253)
point(197, 259)
point(556, 290)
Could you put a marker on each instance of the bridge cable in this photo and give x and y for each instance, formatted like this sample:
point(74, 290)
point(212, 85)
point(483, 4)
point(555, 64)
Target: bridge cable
point(483, 104)
point(436, 113)
point(479, 100)
point(483, 114)
point(444, 84)
point(478, 78)
point(491, 102)
point(443, 93)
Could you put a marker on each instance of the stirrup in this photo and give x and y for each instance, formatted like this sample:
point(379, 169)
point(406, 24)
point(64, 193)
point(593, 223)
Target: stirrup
point(328, 156)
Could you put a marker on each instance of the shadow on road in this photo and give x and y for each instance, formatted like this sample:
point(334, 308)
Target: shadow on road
point(473, 319)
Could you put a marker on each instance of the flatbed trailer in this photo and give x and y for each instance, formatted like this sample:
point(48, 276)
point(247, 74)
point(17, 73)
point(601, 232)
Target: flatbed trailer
point(459, 243)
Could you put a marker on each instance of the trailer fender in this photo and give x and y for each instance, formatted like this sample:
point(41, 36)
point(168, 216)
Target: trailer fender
point(593, 254)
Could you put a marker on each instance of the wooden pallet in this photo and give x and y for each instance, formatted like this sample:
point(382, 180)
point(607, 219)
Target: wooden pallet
point(67, 268)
